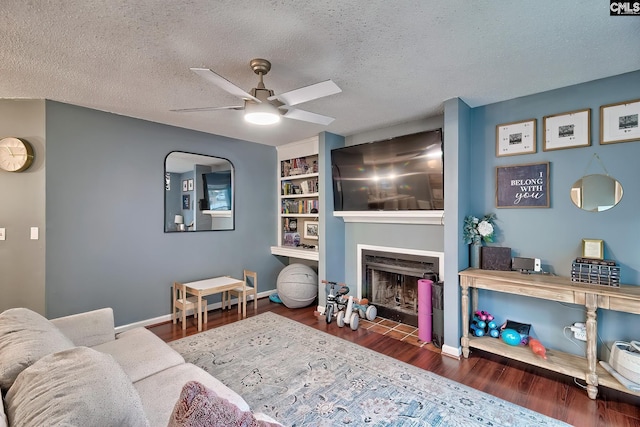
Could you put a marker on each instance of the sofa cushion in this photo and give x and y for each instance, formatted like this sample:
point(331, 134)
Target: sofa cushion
point(200, 407)
point(160, 392)
point(3, 417)
point(77, 387)
point(88, 328)
point(141, 353)
point(25, 337)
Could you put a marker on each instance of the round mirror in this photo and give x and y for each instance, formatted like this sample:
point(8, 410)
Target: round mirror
point(596, 193)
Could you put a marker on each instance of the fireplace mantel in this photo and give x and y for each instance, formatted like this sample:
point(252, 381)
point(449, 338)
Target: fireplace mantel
point(393, 217)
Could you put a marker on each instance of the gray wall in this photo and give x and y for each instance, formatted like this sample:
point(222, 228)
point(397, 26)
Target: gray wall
point(22, 206)
point(105, 239)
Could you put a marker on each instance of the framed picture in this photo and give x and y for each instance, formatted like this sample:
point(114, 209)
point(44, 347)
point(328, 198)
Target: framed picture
point(190, 186)
point(522, 186)
point(619, 122)
point(516, 138)
point(592, 248)
point(185, 186)
point(567, 130)
point(186, 201)
point(311, 230)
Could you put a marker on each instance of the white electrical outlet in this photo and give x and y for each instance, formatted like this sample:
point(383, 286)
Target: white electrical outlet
point(579, 331)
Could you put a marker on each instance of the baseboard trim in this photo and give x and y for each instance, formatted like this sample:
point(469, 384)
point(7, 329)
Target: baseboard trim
point(453, 352)
point(167, 317)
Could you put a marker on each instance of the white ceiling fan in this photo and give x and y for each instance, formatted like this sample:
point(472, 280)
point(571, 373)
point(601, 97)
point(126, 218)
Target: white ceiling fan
point(261, 106)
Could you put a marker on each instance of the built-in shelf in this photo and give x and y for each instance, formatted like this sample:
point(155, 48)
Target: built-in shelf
point(293, 252)
point(299, 196)
point(393, 217)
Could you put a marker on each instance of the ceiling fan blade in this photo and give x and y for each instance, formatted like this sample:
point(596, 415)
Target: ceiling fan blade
point(307, 116)
point(190, 110)
point(308, 93)
point(223, 83)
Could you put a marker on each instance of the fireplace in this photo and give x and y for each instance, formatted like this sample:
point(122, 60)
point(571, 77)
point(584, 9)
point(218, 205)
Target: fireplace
point(389, 279)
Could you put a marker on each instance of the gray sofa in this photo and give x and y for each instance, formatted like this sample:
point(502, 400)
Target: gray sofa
point(49, 370)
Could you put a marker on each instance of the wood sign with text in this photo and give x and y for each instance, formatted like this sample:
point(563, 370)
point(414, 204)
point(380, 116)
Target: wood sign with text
point(522, 186)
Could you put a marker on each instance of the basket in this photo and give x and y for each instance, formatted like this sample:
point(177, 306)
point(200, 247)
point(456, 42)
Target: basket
point(625, 359)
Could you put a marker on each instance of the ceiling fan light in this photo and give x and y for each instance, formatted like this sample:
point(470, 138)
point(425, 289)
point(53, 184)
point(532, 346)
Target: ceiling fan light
point(261, 114)
point(262, 118)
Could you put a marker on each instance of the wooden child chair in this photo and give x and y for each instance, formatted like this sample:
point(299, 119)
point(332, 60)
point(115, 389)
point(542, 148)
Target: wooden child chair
point(249, 288)
point(184, 303)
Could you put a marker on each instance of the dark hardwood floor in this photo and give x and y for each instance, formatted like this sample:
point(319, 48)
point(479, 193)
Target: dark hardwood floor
point(546, 392)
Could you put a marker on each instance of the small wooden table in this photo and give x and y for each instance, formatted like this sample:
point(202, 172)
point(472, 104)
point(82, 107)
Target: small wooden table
point(215, 285)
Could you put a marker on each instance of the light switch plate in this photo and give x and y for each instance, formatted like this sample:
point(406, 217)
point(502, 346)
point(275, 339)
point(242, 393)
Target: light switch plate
point(34, 233)
point(2, 233)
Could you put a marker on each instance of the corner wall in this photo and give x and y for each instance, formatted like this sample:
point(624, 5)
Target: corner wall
point(106, 244)
point(22, 206)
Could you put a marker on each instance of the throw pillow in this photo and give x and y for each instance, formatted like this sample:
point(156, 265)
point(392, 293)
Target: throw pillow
point(25, 337)
point(77, 387)
point(199, 406)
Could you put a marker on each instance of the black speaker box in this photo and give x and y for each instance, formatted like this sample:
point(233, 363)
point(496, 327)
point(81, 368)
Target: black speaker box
point(495, 258)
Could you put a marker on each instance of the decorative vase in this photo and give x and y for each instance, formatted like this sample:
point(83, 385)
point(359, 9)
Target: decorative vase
point(474, 255)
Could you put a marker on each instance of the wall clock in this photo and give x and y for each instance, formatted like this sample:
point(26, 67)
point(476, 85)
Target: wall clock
point(16, 155)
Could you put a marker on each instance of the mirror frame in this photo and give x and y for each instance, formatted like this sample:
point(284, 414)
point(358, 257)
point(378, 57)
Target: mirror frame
point(577, 190)
point(195, 203)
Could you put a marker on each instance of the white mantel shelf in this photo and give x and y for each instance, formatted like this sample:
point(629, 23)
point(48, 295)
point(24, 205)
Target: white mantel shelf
point(292, 252)
point(393, 217)
point(219, 214)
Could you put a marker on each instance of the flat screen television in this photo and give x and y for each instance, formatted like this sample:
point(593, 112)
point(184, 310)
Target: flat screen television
point(397, 174)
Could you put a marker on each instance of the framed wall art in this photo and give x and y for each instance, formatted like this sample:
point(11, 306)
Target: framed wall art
point(190, 185)
point(522, 186)
point(593, 248)
point(186, 201)
point(185, 185)
point(516, 138)
point(567, 130)
point(619, 122)
point(311, 230)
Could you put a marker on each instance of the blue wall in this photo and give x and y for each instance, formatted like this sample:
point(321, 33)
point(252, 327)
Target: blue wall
point(554, 235)
point(104, 214)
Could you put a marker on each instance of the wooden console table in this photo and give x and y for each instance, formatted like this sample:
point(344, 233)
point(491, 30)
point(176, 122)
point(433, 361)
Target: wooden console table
point(626, 298)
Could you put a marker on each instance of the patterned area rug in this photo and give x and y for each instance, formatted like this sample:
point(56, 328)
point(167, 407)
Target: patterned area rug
point(304, 377)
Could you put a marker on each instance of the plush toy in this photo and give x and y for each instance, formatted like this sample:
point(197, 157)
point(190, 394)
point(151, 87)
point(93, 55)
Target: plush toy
point(537, 347)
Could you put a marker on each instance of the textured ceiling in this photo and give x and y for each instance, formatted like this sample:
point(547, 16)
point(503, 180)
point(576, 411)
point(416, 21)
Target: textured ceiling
point(396, 61)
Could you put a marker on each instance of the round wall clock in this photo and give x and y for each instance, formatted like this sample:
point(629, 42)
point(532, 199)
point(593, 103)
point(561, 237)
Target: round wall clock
point(16, 155)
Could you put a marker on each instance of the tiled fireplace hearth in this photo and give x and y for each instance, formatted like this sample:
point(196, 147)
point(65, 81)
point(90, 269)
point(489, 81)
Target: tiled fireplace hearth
point(388, 277)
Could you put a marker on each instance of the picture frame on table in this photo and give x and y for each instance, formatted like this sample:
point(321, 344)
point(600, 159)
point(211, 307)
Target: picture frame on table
point(619, 122)
point(190, 186)
point(311, 230)
point(593, 248)
point(185, 185)
point(516, 138)
point(567, 130)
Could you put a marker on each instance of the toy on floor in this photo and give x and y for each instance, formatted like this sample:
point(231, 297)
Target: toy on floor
point(335, 301)
point(347, 309)
point(537, 347)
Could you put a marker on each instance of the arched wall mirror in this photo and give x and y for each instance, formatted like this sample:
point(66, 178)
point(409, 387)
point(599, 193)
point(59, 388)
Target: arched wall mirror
point(596, 193)
point(198, 193)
